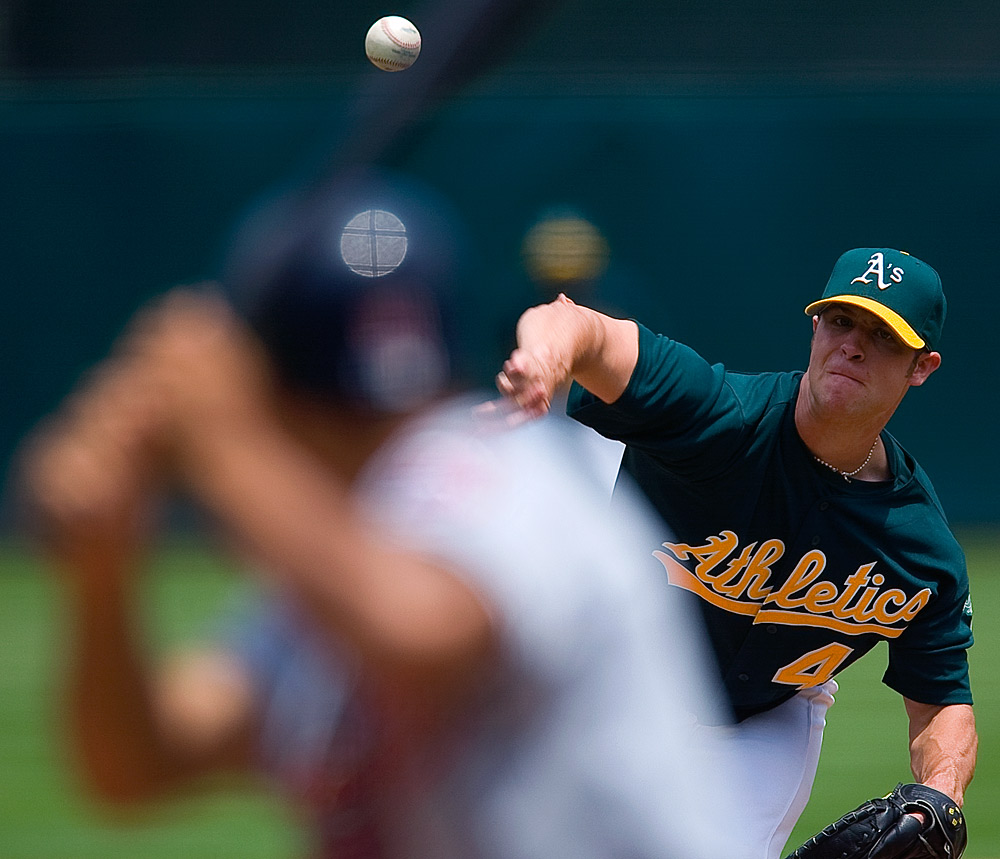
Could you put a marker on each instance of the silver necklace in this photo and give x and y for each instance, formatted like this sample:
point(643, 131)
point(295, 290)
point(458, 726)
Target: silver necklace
point(847, 475)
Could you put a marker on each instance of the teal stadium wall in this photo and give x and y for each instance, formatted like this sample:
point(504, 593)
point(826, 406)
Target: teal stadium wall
point(726, 180)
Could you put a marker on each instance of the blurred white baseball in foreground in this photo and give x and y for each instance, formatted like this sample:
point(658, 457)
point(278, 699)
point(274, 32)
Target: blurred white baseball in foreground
point(392, 43)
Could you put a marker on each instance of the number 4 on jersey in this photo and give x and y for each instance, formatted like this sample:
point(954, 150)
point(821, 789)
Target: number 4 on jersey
point(814, 667)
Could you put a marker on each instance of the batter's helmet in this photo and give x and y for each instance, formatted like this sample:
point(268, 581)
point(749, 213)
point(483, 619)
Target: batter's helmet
point(352, 288)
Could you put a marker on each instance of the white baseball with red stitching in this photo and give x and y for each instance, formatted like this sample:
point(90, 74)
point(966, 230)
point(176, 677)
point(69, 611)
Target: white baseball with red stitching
point(392, 43)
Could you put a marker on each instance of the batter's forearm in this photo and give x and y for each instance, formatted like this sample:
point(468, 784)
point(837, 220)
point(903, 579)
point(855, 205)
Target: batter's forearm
point(417, 626)
point(112, 720)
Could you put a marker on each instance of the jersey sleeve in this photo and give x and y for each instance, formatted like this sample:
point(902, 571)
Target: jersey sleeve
point(677, 407)
point(929, 662)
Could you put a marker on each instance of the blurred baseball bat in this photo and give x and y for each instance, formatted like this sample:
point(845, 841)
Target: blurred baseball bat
point(462, 39)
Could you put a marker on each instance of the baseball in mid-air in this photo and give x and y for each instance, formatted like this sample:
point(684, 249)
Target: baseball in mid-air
point(392, 43)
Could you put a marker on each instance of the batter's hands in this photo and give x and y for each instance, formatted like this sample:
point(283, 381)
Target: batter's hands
point(87, 475)
point(207, 371)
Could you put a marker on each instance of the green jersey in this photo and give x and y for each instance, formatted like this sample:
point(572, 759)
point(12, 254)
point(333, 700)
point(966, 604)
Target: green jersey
point(798, 572)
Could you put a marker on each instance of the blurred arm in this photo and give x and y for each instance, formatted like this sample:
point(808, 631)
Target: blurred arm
point(87, 477)
point(943, 746)
point(562, 340)
point(415, 625)
point(141, 731)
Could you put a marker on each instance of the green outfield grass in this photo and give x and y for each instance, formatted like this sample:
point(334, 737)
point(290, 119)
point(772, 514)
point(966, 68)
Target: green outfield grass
point(44, 814)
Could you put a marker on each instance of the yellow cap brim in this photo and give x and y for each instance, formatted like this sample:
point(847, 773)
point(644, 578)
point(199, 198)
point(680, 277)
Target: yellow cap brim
point(890, 317)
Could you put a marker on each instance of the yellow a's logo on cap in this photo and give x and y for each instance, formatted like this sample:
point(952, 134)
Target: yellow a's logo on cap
point(876, 266)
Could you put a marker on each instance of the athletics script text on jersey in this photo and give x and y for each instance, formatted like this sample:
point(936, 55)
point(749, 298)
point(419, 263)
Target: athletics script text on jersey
point(859, 605)
point(739, 581)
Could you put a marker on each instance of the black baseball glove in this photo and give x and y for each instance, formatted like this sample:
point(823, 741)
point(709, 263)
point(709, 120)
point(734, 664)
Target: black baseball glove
point(886, 829)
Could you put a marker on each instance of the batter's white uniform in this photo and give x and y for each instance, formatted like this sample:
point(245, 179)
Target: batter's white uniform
point(583, 743)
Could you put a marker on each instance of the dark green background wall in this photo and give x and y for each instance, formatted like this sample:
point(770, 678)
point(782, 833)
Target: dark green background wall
point(727, 155)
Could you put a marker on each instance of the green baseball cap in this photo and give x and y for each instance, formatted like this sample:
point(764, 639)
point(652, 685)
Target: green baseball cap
point(898, 288)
